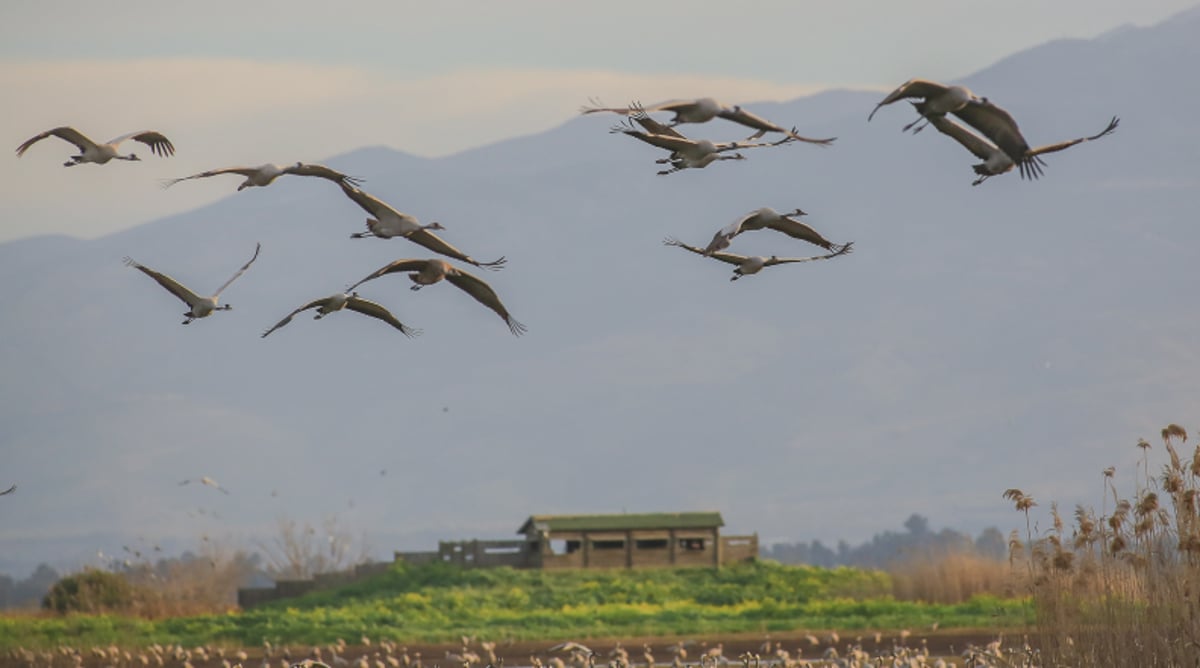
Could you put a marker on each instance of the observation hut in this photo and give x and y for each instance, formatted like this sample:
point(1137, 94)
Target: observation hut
point(623, 540)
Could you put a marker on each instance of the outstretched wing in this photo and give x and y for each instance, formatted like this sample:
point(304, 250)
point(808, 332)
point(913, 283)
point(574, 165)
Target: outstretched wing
point(1052, 148)
point(750, 120)
point(173, 286)
point(999, 126)
point(244, 171)
point(737, 145)
point(911, 88)
point(313, 304)
point(68, 133)
point(407, 264)
point(977, 145)
point(571, 646)
point(10, 490)
point(369, 203)
point(669, 105)
point(438, 245)
point(664, 141)
point(241, 271)
point(483, 293)
point(671, 142)
point(729, 258)
point(798, 230)
point(367, 307)
point(158, 143)
point(844, 250)
point(725, 235)
point(311, 169)
point(638, 114)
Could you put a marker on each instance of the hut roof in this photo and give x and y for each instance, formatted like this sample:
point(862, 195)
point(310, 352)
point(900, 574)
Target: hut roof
point(622, 521)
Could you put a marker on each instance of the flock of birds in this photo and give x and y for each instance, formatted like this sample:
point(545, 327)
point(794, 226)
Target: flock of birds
point(999, 144)
point(872, 651)
point(385, 222)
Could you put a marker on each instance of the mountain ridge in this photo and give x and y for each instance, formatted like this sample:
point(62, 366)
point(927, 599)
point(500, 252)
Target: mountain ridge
point(1024, 332)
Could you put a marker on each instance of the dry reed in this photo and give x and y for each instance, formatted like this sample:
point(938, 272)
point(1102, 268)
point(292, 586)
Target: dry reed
point(1120, 588)
point(949, 578)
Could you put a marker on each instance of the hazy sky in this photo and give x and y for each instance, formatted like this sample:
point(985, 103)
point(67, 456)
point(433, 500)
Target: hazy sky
point(234, 83)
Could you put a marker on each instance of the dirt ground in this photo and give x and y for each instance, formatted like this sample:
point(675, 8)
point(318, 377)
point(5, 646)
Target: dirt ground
point(940, 643)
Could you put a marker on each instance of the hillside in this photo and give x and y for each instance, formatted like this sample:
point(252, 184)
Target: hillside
point(977, 338)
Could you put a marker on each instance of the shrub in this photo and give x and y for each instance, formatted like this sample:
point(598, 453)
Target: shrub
point(90, 591)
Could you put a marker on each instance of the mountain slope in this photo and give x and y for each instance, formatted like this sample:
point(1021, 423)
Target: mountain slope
point(1015, 334)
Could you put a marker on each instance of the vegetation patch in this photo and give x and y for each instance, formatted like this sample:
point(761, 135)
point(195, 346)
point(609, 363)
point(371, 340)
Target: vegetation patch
point(439, 602)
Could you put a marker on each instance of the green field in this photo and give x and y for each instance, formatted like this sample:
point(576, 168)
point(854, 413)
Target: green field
point(437, 603)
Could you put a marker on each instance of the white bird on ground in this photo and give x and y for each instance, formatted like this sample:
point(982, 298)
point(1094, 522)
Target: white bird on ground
point(388, 223)
point(352, 301)
point(90, 151)
point(685, 153)
point(940, 99)
point(704, 109)
point(433, 270)
point(768, 218)
point(198, 307)
point(265, 175)
point(996, 159)
point(206, 481)
point(748, 265)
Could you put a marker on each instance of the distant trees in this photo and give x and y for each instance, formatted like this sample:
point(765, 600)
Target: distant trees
point(890, 547)
point(27, 592)
point(944, 566)
point(300, 552)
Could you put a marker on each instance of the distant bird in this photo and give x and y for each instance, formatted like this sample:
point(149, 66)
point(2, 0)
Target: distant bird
point(748, 265)
point(571, 646)
point(940, 99)
point(90, 151)
point(206, 481)
point(265, 175)
point(199, 307)
point(428, 272)
point(704, 109)
point(352, 301)
point(679, 649)
point(716, 654)
point(10, 490)
point(997, 160)
point(685, 153)
point(768, 218)
point(388, 223)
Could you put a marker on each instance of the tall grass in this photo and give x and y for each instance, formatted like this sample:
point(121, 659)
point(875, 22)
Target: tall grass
point(952, 577)
point(1122, 587)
